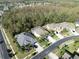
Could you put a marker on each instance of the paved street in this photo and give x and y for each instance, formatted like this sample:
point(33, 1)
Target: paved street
point(52, 47)
point(3, 49)
point(4, 34)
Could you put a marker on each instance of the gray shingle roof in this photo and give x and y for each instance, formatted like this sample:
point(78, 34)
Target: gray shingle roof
point(23, 39)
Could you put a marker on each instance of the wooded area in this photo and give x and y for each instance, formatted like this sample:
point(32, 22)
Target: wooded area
point(20, 20)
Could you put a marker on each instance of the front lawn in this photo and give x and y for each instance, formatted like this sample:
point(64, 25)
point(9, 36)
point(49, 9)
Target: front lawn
point(43, 42)
point(73, 47)
point(65, 33)
point(54, 36)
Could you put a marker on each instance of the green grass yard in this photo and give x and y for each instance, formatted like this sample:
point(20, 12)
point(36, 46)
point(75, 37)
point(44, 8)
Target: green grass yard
point(71, 48)
point(74, 46)
point(20, 54)
point(43, 42)
point(55, 37)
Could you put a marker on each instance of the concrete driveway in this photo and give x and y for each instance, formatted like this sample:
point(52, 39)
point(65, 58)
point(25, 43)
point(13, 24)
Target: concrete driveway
point(51, 39)
point(52, 56)
point(39, 48)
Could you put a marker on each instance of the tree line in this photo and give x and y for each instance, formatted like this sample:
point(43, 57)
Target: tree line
point(20, 20)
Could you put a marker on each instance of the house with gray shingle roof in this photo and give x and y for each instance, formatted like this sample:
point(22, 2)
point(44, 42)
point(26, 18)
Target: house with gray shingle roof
point(24, 39)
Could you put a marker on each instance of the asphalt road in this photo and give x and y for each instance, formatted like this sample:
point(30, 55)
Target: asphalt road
point(45, 52)
point(3, 48)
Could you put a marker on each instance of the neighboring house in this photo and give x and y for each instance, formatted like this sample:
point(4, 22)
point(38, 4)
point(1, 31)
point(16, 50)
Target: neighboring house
point(70, 56)
point(24, 39)
point(66, 56)
point(42, 33)
point(39, 31)
point(70, 26)
point(54, 27)
point(58, 27)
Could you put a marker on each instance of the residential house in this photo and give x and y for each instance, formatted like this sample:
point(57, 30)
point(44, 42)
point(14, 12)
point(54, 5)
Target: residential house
point(66, 56)
point(39, 31)
point(54, 27)
point(70, 55)
point(58, 27)
point(24, 39)
point(69, 26)
point(42, 33)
